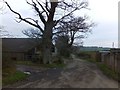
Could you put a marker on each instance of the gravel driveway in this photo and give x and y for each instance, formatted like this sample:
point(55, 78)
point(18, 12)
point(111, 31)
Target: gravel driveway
point(77, 74)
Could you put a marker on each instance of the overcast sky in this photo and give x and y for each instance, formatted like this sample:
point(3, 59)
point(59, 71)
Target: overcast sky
point(103, 12)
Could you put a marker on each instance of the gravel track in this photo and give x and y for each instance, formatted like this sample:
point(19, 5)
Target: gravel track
point(77, 74)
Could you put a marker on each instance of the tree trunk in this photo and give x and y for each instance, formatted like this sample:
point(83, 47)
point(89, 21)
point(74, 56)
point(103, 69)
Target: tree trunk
point(47, 43)
point(47, 35)
point(71, 42)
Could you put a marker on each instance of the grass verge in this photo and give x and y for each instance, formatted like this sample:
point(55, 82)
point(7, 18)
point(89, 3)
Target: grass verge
point(24, 63)
point(10, 79)
point(106, 70)
point(30, 63)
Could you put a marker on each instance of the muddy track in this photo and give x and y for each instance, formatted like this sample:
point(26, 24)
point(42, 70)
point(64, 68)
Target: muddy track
point(77, 74)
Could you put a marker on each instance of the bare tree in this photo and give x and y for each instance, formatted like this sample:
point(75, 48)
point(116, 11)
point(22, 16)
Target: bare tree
point(47, 11)
point(5, 34)
point(32, 33)
point(74, 28)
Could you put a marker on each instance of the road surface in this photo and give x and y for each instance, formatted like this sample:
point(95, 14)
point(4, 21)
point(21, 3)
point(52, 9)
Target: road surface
point(77, 74)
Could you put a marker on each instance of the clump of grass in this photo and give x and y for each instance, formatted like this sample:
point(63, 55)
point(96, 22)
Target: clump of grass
point(10, 79)
point(30, 63)
point(8, 66)
point(108, 71)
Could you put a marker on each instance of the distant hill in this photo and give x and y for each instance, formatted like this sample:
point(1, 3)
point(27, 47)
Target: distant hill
point(83, 48)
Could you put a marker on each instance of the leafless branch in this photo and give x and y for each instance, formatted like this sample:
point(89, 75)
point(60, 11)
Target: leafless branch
point(65, 16)
point(42, 8)
point(29, 3)
point(32, 33)
point(46, 6)
point(74, 7)
point(23, 19)
point(39, 13)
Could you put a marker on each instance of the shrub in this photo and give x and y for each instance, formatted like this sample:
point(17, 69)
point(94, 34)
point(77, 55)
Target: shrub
point(8, 66)
point(93, 55)
point(83, 55)
point(62, 46)
point(57, 59)
point(37, 58)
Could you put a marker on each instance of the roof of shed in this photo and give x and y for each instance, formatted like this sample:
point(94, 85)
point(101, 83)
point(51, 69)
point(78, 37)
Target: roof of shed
point(19, 44)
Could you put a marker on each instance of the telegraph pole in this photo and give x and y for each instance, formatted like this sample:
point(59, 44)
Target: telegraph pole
point(113, 45)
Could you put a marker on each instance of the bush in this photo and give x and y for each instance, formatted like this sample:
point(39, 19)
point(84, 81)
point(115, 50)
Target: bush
point(57, 59)
point(83, 55)
point(8, 66)
point(62, 46)
point(37, 58)
point(65, 52)
point(93, 55)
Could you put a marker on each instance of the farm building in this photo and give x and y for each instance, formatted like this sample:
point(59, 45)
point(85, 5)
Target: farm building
point(20, 48)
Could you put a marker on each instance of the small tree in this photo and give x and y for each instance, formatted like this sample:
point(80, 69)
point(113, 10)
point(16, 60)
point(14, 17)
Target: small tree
point(74, 28)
